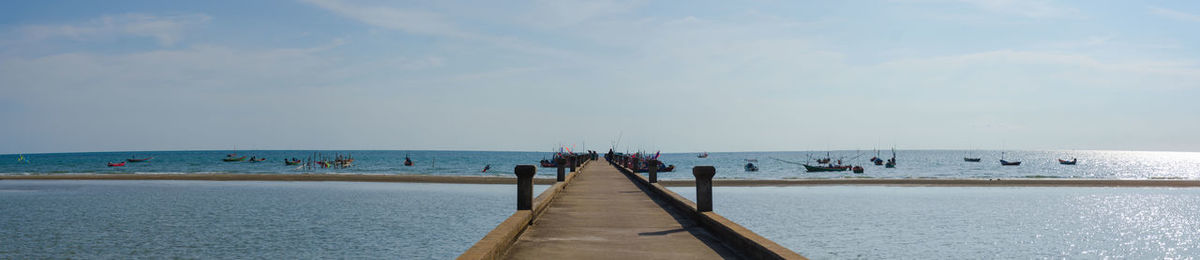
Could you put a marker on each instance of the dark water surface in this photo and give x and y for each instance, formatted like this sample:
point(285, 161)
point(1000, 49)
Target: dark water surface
point(276, 220)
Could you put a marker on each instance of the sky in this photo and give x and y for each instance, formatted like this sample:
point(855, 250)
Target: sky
point(676, 76)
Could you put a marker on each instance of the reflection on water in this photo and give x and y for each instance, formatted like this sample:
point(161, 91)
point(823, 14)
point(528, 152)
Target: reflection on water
point(968, 222)
point(275, 220)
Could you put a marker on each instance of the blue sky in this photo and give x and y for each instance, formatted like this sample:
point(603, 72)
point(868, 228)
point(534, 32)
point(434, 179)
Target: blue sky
point(680, 76)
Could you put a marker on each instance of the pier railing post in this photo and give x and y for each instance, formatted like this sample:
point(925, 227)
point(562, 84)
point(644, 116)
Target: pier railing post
point(653, 173)
point(562, 176)
point(572, 163)
point(704, 175)
point(525, 186)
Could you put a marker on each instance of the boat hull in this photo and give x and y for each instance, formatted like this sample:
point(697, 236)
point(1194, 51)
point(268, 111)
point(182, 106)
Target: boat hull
point(1008, 163)
point(243, 158)
point(972, 159)
point(811, 168)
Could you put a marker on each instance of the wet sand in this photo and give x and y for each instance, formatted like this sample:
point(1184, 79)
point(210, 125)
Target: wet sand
point(677, 183)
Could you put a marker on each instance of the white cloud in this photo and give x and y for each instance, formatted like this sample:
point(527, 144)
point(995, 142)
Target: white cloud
point(167, 30)
point(563, 13)
point(408, 20)
point(1173, 14)
point(1030, 8)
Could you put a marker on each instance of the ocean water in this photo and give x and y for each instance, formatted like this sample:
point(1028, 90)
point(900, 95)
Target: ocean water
point(225, 220)
point(881, 222)
point(772, 165)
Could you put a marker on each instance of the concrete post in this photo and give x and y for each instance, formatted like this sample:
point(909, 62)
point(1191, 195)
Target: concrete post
point(572, 162)
point(562, 176)
point(525, 186)
point(704, 175)
point(653, 174)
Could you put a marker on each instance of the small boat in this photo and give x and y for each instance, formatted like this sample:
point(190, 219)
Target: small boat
point(668, 168)
point(547, 164)
point(1007, 163)
point(292, 162)
point(702, 155)
point(857, 169)
point(751, 168)
point(139, 160)
point(256, 159)
point(234, 159)
point(968, 159)
point(891, 163)
point(832, 168)
point(116, 164)
point(1065, 162)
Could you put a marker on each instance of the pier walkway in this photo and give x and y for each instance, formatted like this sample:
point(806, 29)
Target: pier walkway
point(604, 214)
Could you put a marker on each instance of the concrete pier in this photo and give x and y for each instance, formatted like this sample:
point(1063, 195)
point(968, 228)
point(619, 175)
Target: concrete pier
point(603, 214)
point(604, 211)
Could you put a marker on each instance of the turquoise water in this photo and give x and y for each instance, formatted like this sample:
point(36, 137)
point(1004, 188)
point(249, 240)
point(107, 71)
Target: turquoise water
point(879, 222)
point(911, 164)
point(224, 220)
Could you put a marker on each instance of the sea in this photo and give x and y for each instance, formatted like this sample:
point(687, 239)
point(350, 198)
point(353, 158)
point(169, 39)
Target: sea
point(888, 222)
point(281, 219)
point(940, 164)
point(81, 219)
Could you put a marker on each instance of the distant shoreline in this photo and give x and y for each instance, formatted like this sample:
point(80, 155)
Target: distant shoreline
point(674, 183)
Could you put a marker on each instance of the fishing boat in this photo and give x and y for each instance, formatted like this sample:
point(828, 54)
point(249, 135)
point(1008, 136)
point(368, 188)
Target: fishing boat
point(857, 169)
point(255, 159)
point(231, 158)
point(661, 168)
point(832, 168)
point(751, 168)
point(702, 155)
point(139, 160)
point(116, 164)
point(969, 159)
point(876, 160)
point(825, 160)
point(891, 163)
point(291, 162)
point(1065, 162)
point(1007, 163)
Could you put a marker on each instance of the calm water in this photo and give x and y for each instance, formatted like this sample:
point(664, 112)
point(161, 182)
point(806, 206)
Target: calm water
point(877, 222)
point(911, 164)
point(222, 220)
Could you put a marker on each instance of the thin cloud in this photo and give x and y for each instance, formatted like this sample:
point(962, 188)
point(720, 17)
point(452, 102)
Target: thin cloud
point(1027, 8)
point(167, 30)
point(424, 22)
point(408, 20)
point(1177, 15)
